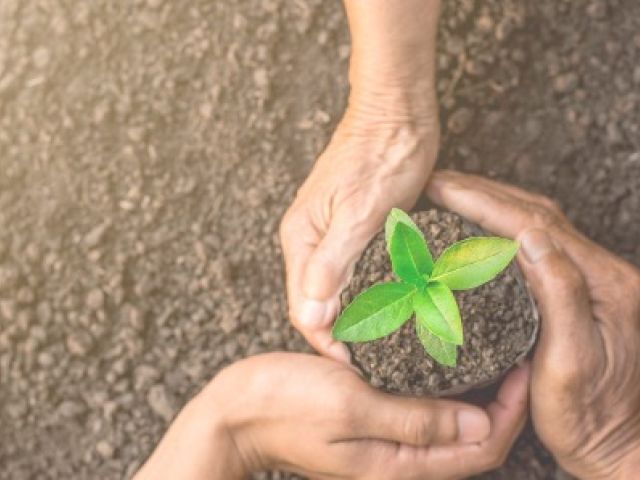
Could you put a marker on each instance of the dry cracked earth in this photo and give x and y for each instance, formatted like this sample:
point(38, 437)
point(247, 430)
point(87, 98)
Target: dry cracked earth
point(149, 148)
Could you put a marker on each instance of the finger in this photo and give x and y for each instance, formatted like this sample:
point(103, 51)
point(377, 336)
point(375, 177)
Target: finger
point(508, 414)
point(331, 264)
point(298, 239)
point(419, 422)
point(312, 318)
point(489, 185)
point(326, 273)
point(562, 295)
point(496, 212)
point(507, 211)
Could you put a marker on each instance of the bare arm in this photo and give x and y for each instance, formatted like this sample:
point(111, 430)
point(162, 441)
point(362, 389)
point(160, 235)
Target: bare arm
point(380, 157)
point(313, 416)
point(393, 54)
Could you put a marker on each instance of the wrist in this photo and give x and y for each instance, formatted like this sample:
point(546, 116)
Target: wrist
point(236, 460)
point(237, 402)
point(197, 446)
point(416, 105)
point(393, 51)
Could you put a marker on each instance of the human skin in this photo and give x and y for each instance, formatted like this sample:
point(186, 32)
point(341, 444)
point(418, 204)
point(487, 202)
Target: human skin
point(318, 418)
point(585, 390)
point(379, 157)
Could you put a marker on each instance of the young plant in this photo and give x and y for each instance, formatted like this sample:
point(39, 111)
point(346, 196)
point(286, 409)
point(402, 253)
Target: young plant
point(424, 287)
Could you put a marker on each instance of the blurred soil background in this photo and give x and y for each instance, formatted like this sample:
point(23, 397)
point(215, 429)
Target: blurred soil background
point(148, 149)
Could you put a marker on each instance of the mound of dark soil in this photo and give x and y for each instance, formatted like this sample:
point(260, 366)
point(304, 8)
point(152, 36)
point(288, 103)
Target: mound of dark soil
point(500, 322)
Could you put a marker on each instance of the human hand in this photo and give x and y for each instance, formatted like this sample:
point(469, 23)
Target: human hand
point(371, 165)
point(379, 157)
point(585, 392)
point(317, 417)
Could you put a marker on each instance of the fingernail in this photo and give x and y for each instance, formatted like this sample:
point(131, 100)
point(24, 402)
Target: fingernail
point(312, 313)
point(536, 245)
point(473, 426)
point(340, 352)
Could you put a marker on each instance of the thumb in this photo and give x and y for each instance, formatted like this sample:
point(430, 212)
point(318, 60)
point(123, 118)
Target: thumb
point(421, 422)
point(331, 264)
point(561, 293)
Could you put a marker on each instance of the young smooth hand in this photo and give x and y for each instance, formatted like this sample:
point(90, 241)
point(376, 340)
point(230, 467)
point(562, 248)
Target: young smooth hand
point(317, 417)
point(379, 157)
point(585, 392)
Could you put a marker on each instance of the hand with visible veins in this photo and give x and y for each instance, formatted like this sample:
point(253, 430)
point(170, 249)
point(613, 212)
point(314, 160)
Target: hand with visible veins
point(318, 418)
point(379, 157)
point(585, 391)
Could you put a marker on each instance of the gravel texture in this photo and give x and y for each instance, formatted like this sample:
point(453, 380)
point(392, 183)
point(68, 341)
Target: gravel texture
point(499, 319)
point(149, 148)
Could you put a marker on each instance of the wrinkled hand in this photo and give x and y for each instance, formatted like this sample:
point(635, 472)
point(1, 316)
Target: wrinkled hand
point(585, 396)
point(372, 164)
point(318, 418)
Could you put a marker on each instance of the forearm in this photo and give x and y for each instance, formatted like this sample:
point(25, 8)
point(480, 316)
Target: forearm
point(197, 446)
point(393, 53)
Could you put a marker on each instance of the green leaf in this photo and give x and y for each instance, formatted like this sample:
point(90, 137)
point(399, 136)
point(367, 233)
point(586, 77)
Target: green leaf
point(375, 313)
point(443, 352)
point(473, 261)
point(409, 256)
point(436, 309)
point(398, 217)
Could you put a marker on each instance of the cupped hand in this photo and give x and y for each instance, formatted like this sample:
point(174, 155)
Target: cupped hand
point(373, 163)
point(585, 393)
point(317, 417)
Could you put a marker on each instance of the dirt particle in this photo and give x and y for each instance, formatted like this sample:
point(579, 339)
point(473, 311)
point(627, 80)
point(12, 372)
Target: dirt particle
point(134, 317)
point(41, 57)
point(565, 83)
point(144, 376)
point(95, 236)
point(261, 78)
point(95, 299)
point(8, 309)
point(9, 276)
point(79, 343)
point(460, 120)
point(597, 10)
point(25, 295)
point(161, 402)
point(71, 409)
point(105, 449)
point(485, 23)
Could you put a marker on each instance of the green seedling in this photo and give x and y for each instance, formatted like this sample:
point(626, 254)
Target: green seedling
point(423, 288)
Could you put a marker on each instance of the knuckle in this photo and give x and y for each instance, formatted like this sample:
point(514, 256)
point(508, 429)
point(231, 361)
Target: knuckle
point(420, 427)
point(286, 225)
point(572, 283)
point(564, 280)
point(550, 204)
point(544, 217)
point(565, 374)
point(293, 224)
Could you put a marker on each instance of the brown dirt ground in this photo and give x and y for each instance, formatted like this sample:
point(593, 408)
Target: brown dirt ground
point(148, 149)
